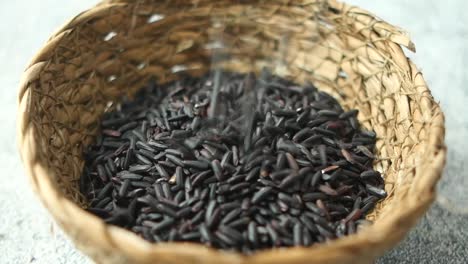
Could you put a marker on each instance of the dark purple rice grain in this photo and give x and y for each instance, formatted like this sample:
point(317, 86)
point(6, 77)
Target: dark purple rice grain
point(209, 211)
point(166, 190)
point(260, 220)
point(206, 235)
point(154, 216)
point(312, 140)
point(261, 194)
point(370, 174)
point(159, 156)
point(232, 233)
point(341, 163)
point(158, 145)
point(165, 209)
point(307, 238)
point(191, 236)
point(179, 177)
point(200, 178)
point(172, 235)
point(240, 223)
point(197, 164)
point(273, 234)
point(123, 190)
point(142, 145)
point(252, 234)
point(198, 217)
point(274, 130)
point(147, 200)
point(367, 207)
point(158, 190)
point(162, 172)
point(206, 154)
point(217, 170)
point(139, 135)
point(281, 161)
point(225, 239)
point(102, 203)
point(166, 164)
point(214, 218)
point(280, 175)
point(139, 168)
point(179, 197)
point(185, 226)
point(351, 227)
point(304, 163)
point(141, 184)
point(284, 207)
point(348, 156)
point(175, 160)
point(239, 187)
point(230, 206)
point(102, 173)
point(231, 216)
point(376, 191)
point(261, 142)
point(126, 175)
point(255, 162)
point(127, 126)
point(323, 154)
point(315, 209)
point(184, 212)
point(330, 169)
point(326, 133)
point(357, 203)
point(359, 159)
point(350, 173)
point(288, 146)
point(227, 158)
point(112, 166)
point(289, 200)
point(148, 179)
point(142, 159)
point(245, 205)
point(136, 192)
point(212, 193)
point(182, 167)
point(281, 229)
point(292, 162)
point(104, 191)
point(340, 230)
point(353, 216)
point(370, 199)
point(302, 134)
point(297, 234)
point(289, 180)
point(364, 150)
point(346, 115)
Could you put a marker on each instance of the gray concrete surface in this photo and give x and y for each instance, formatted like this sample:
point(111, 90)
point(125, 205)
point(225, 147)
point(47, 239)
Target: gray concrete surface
point(440, 31)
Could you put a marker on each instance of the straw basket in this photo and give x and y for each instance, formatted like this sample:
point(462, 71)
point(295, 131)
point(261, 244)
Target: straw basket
point(114, 48)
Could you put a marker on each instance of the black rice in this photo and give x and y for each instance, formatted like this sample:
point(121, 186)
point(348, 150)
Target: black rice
point(258, 163)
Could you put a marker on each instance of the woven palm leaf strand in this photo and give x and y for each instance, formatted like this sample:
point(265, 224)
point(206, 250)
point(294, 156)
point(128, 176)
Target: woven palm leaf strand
point(114, 48)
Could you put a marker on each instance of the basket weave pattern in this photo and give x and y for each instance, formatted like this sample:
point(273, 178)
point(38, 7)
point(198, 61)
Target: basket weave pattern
point(344, 50)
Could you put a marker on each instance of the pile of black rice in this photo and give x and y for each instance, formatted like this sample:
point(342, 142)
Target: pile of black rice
point(237, 162)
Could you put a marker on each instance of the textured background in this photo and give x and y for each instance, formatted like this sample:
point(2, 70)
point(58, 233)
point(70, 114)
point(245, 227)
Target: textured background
point(440, 31)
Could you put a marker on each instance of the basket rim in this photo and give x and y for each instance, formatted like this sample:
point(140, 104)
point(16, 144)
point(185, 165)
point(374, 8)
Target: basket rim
point(61, 208)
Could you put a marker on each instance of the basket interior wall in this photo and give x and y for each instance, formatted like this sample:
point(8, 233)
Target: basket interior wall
point(102, 59)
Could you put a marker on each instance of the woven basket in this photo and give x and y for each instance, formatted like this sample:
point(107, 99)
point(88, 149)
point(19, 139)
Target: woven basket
point(114, 48)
